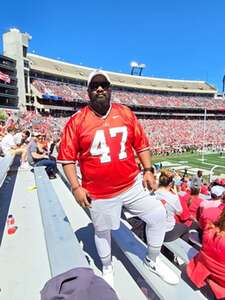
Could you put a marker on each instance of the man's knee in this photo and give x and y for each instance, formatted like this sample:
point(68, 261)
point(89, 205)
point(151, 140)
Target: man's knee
point(155, 216)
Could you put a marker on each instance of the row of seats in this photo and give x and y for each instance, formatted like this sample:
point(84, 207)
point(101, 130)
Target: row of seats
point(73, 92)
point(167, 135)
point(51, 89)
point(134, 250)
point(60, 222)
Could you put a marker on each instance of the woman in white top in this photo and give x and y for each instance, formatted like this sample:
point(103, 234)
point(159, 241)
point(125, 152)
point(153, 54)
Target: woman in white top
point(167, 194)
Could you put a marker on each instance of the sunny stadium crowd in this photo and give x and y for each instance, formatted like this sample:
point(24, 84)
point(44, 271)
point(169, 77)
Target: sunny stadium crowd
point(29, 136)
point(184, 206)
point(173, 135)
point(104, 138)
point(167, 135)
point(71, 92)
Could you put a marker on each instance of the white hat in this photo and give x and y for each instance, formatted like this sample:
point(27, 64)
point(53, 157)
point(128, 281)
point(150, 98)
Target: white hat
point(217, 190)
point(95, 73)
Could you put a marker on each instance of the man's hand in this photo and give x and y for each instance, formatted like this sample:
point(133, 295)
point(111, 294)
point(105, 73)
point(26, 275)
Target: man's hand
point(81, 195)
point(149, 181)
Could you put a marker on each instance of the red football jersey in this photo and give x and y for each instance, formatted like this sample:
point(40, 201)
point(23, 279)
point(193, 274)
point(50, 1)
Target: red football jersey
point(105, 149)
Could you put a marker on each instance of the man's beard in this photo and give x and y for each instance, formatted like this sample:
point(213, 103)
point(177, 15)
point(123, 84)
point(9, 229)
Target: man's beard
point(100, 105)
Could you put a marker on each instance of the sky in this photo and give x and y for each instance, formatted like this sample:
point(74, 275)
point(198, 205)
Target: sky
point(175, 39)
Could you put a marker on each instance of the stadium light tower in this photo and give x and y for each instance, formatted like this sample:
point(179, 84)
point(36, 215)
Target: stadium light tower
point(223, 84)
point(134, 65)
point(141, 67)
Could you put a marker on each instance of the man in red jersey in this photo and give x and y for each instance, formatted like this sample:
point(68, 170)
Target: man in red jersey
point(104, 135)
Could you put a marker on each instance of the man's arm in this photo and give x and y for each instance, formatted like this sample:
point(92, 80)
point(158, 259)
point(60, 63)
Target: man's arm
point(36, 155)
point(80, 194)
point(70, 172)
point(148, 177)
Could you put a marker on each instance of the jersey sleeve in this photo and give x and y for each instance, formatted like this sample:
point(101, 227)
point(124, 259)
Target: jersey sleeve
point(69, 146)
point(141, 141)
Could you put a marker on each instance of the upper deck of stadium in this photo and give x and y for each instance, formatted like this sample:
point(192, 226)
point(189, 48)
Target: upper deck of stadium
point(50, 66)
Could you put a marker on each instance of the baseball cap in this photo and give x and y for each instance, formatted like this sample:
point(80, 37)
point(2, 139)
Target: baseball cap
point(95, 73)
point(217, 190)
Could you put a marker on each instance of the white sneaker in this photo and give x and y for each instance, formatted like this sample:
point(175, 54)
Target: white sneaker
point(162, 270)
point(107, 274)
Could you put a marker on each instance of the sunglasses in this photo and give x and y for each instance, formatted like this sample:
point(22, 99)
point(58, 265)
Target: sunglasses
point(94, 85)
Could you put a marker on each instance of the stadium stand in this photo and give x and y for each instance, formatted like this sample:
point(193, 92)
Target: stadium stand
point(75, 217)
point(24, 264)
point(167, 135)
point(58, 232)
point(172, 134)
point(134, 249)
point(181, 249)
point(5, 164)
point(70, 92)
point(59, 68)
point(177, 115)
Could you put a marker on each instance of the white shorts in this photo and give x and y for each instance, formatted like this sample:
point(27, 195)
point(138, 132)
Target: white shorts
point(106, 213)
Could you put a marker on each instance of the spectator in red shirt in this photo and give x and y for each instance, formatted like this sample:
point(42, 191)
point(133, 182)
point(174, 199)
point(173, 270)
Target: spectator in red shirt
point(204, 189)
point(217, 193)
point(208, 266)
point(211, 214)
point(185, 184)
point(193, 201)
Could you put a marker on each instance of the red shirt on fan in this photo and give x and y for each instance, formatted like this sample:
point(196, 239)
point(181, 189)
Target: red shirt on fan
point(105, 148)
point(210, 214)
point(208, 266)
point(194, 205)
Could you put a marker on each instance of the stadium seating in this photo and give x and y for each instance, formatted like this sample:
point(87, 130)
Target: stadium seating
point(134, 249)
point(165, 135)
point(181, 249)
point(83, 229)
point(58, 231)
point(59, 91)
point(5, 164)
point(54, 90)
point(169, 135)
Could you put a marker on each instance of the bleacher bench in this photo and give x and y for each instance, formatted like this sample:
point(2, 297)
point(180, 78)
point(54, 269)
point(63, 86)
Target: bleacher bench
point(135, 250)
point(181, 249)
point(64, 250)
point(5, 164)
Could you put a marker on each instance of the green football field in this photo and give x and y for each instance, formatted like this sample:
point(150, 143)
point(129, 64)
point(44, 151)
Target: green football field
point(194, 160)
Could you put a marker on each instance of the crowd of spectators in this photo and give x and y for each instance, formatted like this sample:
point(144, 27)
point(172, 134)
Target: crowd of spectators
point(72, 92)
point(174, 135)
point(192, 204)
point(31, 136)
point(195, 213)
point(166, 135)
point(60, 91)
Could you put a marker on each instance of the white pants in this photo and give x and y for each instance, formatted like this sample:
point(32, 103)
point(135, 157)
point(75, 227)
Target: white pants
point(105, 213)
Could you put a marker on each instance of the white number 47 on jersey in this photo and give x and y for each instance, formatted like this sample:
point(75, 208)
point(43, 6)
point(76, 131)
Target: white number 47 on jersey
point(100, 148)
